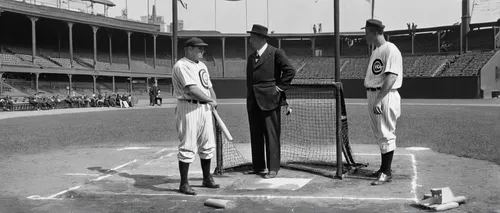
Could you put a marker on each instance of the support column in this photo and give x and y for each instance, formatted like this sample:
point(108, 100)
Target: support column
point(36, 82)
point(388, 37)
point(313, 47)
point(154, 50)
point(145, 49)
point(147, 84)
point(439, 41)
point(494, 37)
point(58, 43)
point(131, 88)
point(110, 49)
point(114, 90)
point(94, 30)
point(70, 27)
point(33, 37)
point(465, 24)
point(70, 84)
point(129, 50)
point(279, 43)
point(413, 43)
point(95, 84)
point(223, 55)
point(1, 83)
point(246, 48)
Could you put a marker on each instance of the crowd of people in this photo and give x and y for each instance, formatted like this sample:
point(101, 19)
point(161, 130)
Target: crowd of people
point(37, 102)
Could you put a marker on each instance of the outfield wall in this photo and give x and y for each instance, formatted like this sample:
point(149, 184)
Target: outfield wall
point(463, 87)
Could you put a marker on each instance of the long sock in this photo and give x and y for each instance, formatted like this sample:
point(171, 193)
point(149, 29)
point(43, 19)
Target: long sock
point(387, 162)
point(382, 165)
point(205, 167)
point(183, 170)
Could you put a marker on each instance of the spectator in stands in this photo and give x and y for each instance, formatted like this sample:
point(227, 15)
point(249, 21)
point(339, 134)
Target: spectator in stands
point(154, 94)
point(319, 28)
point(314, 28)
point(123, 101)
point(158, 99)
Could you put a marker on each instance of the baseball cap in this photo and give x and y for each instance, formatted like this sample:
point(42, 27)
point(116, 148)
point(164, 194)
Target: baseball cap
point(195, 42)
point(373, 23)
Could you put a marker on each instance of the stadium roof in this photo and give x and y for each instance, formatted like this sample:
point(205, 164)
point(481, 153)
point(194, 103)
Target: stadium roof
point(103, 2)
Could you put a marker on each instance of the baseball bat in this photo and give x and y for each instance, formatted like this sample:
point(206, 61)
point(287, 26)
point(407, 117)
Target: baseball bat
point(222, 125)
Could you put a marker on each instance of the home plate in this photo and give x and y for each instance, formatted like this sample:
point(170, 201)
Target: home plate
point(275, 183)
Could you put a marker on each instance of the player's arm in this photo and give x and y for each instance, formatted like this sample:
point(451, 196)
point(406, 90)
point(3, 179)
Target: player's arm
point(196, 92)
point(389, 80)
point(287, 70)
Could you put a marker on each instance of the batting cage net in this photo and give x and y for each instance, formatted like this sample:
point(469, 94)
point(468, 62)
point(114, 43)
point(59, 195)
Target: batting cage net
point(308, 135)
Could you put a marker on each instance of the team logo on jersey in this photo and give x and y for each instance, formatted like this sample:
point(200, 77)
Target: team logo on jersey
point(377, 66)
point(204, 78)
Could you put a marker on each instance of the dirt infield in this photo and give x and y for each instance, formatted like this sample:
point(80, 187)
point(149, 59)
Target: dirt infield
point(142, 176)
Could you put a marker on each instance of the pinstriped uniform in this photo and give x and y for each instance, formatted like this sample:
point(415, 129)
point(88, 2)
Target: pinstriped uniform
point(194, 122)
point(385, 59)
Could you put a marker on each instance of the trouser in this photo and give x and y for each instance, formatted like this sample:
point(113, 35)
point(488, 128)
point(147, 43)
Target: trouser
point(195, 127)
point(384, 125)
point(265, 128)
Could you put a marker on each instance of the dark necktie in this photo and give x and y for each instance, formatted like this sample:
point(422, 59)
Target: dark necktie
point(257, 57)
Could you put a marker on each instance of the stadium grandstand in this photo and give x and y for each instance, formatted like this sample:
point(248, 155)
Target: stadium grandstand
point(50, 50)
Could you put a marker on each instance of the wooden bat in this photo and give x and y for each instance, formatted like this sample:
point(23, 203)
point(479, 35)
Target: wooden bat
point(222, 125)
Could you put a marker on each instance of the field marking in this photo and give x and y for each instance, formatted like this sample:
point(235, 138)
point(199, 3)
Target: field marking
point(414, 168)
point(432, 104)
point(167, 155)
point(408, 104)
point(265, 196)
point(414, 178)
point(53, 197)
point(166, 149)
point(133, 148)
point(81, 174)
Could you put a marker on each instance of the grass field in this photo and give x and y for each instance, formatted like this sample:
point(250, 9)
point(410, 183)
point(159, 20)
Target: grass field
point(468, 131)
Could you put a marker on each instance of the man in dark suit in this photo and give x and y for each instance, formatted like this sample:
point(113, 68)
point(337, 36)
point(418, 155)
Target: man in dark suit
point(269, 74)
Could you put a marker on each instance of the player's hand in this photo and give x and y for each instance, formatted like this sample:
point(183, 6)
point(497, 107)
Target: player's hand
point(377, 108)
point(213, 104)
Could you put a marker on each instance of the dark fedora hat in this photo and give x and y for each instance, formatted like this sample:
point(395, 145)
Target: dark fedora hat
point(259, 29)
point(374, 23)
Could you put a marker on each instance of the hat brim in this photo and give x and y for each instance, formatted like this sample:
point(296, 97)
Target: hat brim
point(198, 45)
point(252, 32)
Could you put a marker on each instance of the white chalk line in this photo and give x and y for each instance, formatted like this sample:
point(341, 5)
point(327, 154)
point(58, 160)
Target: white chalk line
point(414, 168)
point(168, 155)
point(409, 104)
point(414, 178)
point(433, 104)
point(81, 174)
point(166, 149)
point(265, 196)
point(54, 196)
point(133, 148)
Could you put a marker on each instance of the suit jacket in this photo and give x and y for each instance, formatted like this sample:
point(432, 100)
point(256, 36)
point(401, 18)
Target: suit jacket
point(273, 69)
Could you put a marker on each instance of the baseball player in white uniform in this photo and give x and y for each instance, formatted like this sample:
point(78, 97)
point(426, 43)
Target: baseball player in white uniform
point(383, 77)
point(196, 98)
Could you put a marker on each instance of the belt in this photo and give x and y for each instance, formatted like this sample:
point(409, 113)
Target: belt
point(373, 89)
point(194, 101)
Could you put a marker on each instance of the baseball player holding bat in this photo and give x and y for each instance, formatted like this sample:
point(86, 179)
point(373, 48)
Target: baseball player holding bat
point(194, 120)
point(383, 77)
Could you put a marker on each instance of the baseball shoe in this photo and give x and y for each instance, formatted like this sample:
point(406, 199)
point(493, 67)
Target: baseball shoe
point(271, 174)
point(210, 183)
point(186, 189)
point(377, 173)
point(382, 179)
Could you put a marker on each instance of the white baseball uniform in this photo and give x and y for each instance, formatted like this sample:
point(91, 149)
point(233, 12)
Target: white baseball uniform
point(385, 59)
point(194, 121)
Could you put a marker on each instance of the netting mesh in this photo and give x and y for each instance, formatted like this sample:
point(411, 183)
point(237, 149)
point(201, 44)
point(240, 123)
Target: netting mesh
point(308, 134)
